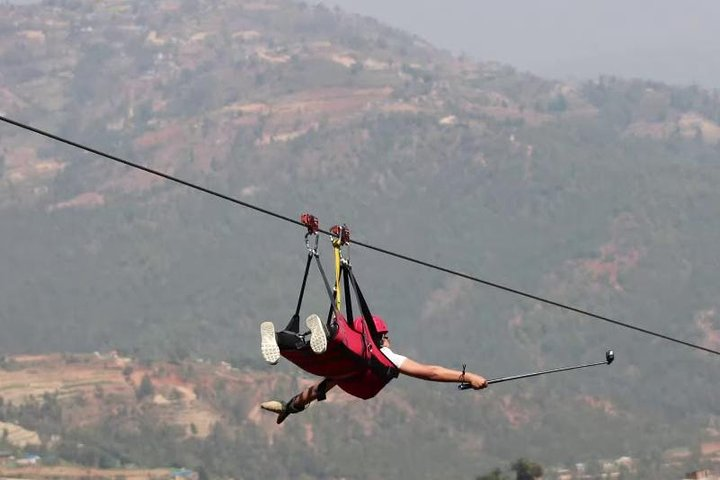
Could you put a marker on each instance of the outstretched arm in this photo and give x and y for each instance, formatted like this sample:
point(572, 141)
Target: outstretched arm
point(436, 373)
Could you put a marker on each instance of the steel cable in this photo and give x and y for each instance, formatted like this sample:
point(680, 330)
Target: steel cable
point(361, 244)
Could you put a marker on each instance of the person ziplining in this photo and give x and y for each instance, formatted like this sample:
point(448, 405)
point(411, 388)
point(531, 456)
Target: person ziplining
point(353, 354)
point(320, 336)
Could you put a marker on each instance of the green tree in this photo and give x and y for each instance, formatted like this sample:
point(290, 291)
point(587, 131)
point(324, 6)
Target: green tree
point(146, 388)
point(558, 104)
point(202, 473)
point(526, 470)
point(496, 474)
point(624, 473)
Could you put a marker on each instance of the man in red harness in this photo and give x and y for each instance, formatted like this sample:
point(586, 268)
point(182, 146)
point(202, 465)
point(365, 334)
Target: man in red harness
point(318, 343)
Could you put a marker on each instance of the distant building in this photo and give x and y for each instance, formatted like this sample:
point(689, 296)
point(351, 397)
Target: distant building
point(183, 474)
point(710, 449)
point(676, 456)
point(700, 475)
point(6, 456)
point(29, 459)
point(563, 474)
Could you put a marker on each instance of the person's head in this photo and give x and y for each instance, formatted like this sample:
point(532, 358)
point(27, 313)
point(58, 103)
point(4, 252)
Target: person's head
point(382, 330)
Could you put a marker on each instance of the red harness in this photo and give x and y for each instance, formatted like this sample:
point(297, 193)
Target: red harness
point(352, 360)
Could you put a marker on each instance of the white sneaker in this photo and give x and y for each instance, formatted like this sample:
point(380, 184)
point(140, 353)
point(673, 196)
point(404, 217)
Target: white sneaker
point(268, 343)
point(318, 335)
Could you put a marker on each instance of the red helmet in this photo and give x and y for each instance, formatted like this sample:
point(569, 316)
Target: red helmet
point(380, 324)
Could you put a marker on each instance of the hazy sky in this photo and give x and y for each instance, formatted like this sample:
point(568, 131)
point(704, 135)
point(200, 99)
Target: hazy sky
point(675, 41)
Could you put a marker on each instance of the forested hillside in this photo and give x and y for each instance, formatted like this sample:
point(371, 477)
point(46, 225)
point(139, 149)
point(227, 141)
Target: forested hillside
point(601, 195)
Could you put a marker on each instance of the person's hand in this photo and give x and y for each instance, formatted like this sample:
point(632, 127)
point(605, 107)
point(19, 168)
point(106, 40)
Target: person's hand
point(475, 381)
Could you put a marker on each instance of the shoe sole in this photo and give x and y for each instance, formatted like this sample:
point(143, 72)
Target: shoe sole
point(268, 343)
point(318, 337)
point(273, 406)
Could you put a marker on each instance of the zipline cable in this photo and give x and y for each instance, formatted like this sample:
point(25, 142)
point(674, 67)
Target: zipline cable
point(535, 297)
point(361, 244)
point(148, 170)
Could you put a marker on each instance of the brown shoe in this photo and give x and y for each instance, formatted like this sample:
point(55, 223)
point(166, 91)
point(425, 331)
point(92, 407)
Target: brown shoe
point(283, 409)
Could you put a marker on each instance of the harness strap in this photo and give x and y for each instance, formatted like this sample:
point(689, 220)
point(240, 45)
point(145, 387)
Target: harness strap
point(383, 370)
point(375, 366)
point(294, 325)
point(364, 309)
point(374, 338)
point(367, 338)
point(322, 389)
point(325, 281)
point(333, 312)
point(348, 300)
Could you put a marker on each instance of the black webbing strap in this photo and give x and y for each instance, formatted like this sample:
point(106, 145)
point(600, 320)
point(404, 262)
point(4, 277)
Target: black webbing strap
point(322, 389)
point(332, 312)
point(364, 309)
point(325, 281)
point(348, 299)
point(294, 325)
point(330, 315)
point(382, 370)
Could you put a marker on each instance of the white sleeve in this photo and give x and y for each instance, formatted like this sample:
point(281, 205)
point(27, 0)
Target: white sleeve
point(396, 359)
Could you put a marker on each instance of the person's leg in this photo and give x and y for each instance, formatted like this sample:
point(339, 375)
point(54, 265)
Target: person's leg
point(290, 340)
point(271, 342)
point(317, 392)
point(298, 403)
